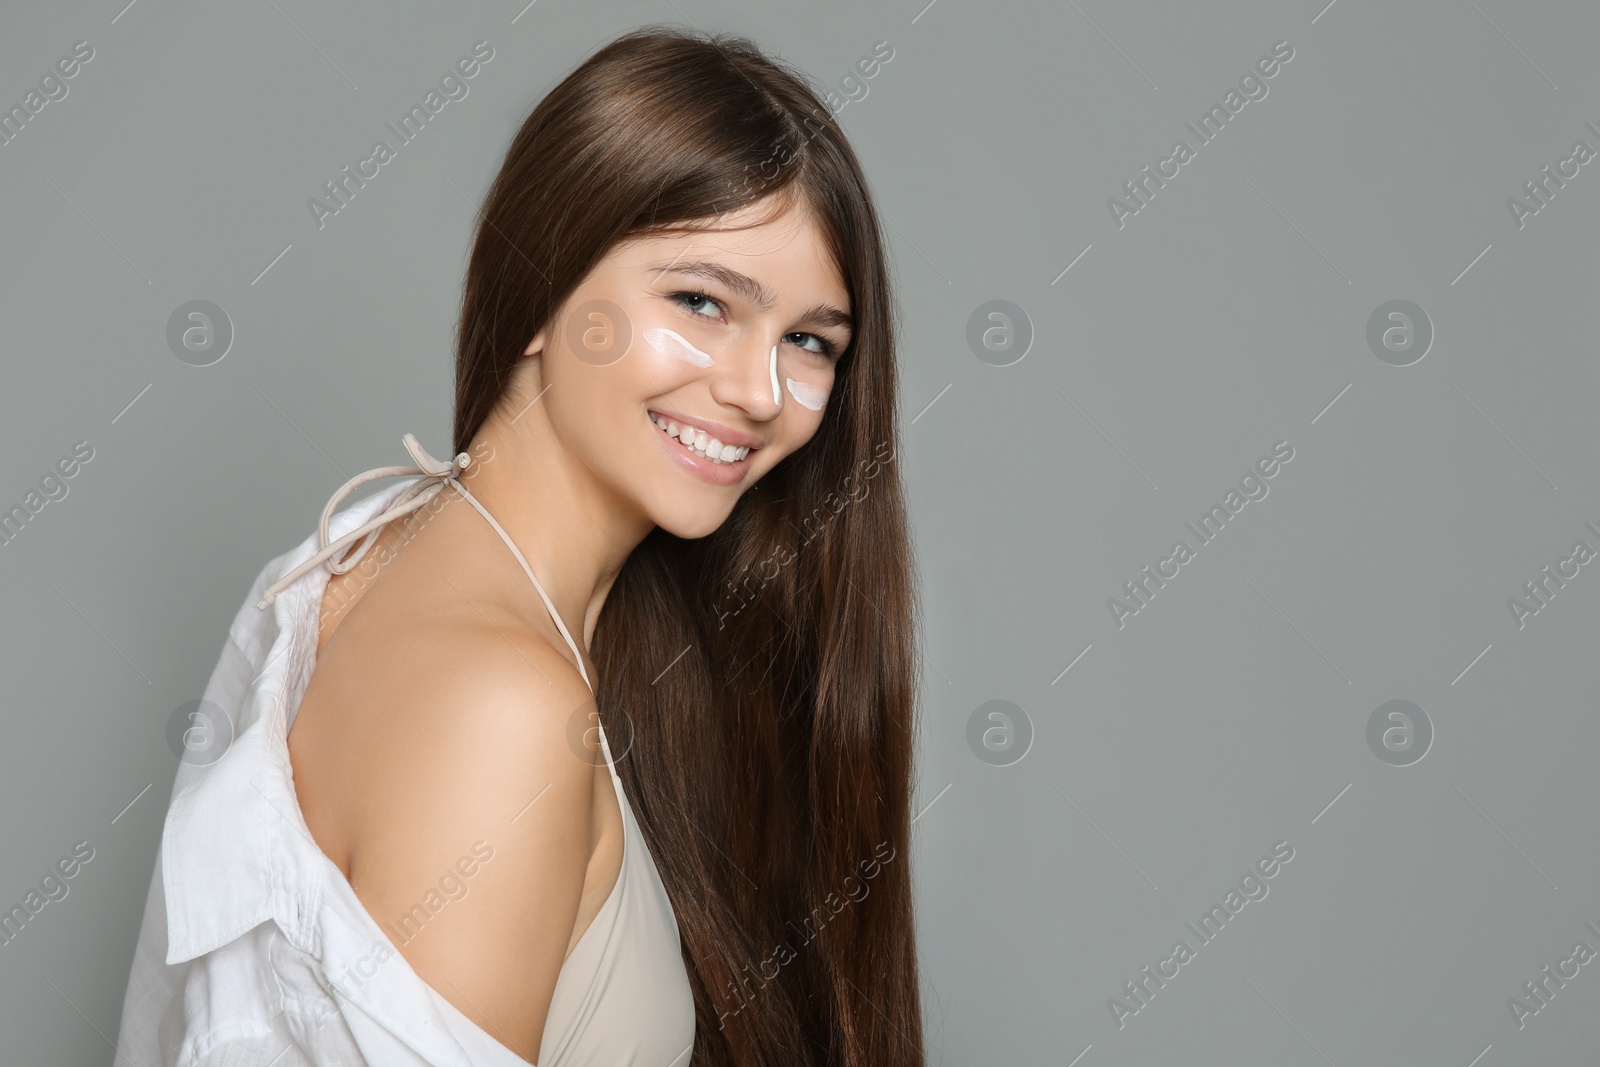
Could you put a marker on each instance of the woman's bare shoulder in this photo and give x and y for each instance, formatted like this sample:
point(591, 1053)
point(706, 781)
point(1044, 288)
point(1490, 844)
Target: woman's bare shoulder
point(483, 763)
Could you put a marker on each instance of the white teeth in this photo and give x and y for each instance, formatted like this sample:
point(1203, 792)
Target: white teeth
point(699, 442)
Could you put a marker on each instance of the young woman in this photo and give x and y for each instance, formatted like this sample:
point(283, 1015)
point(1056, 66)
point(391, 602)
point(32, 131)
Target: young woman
point(593, 744)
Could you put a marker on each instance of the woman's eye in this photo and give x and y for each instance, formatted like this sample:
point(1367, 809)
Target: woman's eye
point(695, 302)
point(708, 307)
point(824, 347)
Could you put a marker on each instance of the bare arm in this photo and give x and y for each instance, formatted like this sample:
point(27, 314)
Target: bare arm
point(468, 751)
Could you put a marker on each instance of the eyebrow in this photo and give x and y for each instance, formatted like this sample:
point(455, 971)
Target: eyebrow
point(753, 291)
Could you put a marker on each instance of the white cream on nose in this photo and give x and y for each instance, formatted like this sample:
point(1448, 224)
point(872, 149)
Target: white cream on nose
point(772, 368)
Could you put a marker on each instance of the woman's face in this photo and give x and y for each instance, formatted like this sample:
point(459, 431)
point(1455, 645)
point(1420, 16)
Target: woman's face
point(726, 337)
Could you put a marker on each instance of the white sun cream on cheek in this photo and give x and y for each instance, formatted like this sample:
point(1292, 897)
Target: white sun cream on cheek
point(809, 396)
point(670, 343)
point(772, 368)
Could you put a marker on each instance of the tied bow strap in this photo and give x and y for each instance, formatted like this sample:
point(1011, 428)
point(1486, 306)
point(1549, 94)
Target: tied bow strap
point(436, 475)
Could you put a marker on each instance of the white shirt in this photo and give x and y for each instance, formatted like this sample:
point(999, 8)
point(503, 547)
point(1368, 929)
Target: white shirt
point(255, 950)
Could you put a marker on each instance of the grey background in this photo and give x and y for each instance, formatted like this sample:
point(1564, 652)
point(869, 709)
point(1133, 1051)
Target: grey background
point(1229, 314)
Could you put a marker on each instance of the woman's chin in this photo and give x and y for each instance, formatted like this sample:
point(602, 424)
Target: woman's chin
point(691, 522)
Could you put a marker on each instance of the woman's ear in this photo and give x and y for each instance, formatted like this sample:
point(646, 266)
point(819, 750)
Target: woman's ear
point(527, 377)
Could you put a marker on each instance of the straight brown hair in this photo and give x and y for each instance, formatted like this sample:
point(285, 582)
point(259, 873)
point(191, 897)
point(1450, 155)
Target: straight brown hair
point(770, 767)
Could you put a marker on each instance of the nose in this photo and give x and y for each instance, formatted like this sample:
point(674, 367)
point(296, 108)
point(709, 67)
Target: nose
point(748, 380)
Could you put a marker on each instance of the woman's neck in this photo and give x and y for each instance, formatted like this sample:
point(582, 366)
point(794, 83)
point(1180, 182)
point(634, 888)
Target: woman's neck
point(574, 532)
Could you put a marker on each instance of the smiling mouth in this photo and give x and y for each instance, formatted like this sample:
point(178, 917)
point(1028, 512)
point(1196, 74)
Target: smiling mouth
point(698, 441)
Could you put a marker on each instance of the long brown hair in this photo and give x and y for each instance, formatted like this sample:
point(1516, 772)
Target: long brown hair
point(770, 767)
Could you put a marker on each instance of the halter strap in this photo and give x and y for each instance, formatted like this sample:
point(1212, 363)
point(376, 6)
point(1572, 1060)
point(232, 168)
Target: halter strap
point(436, 474)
